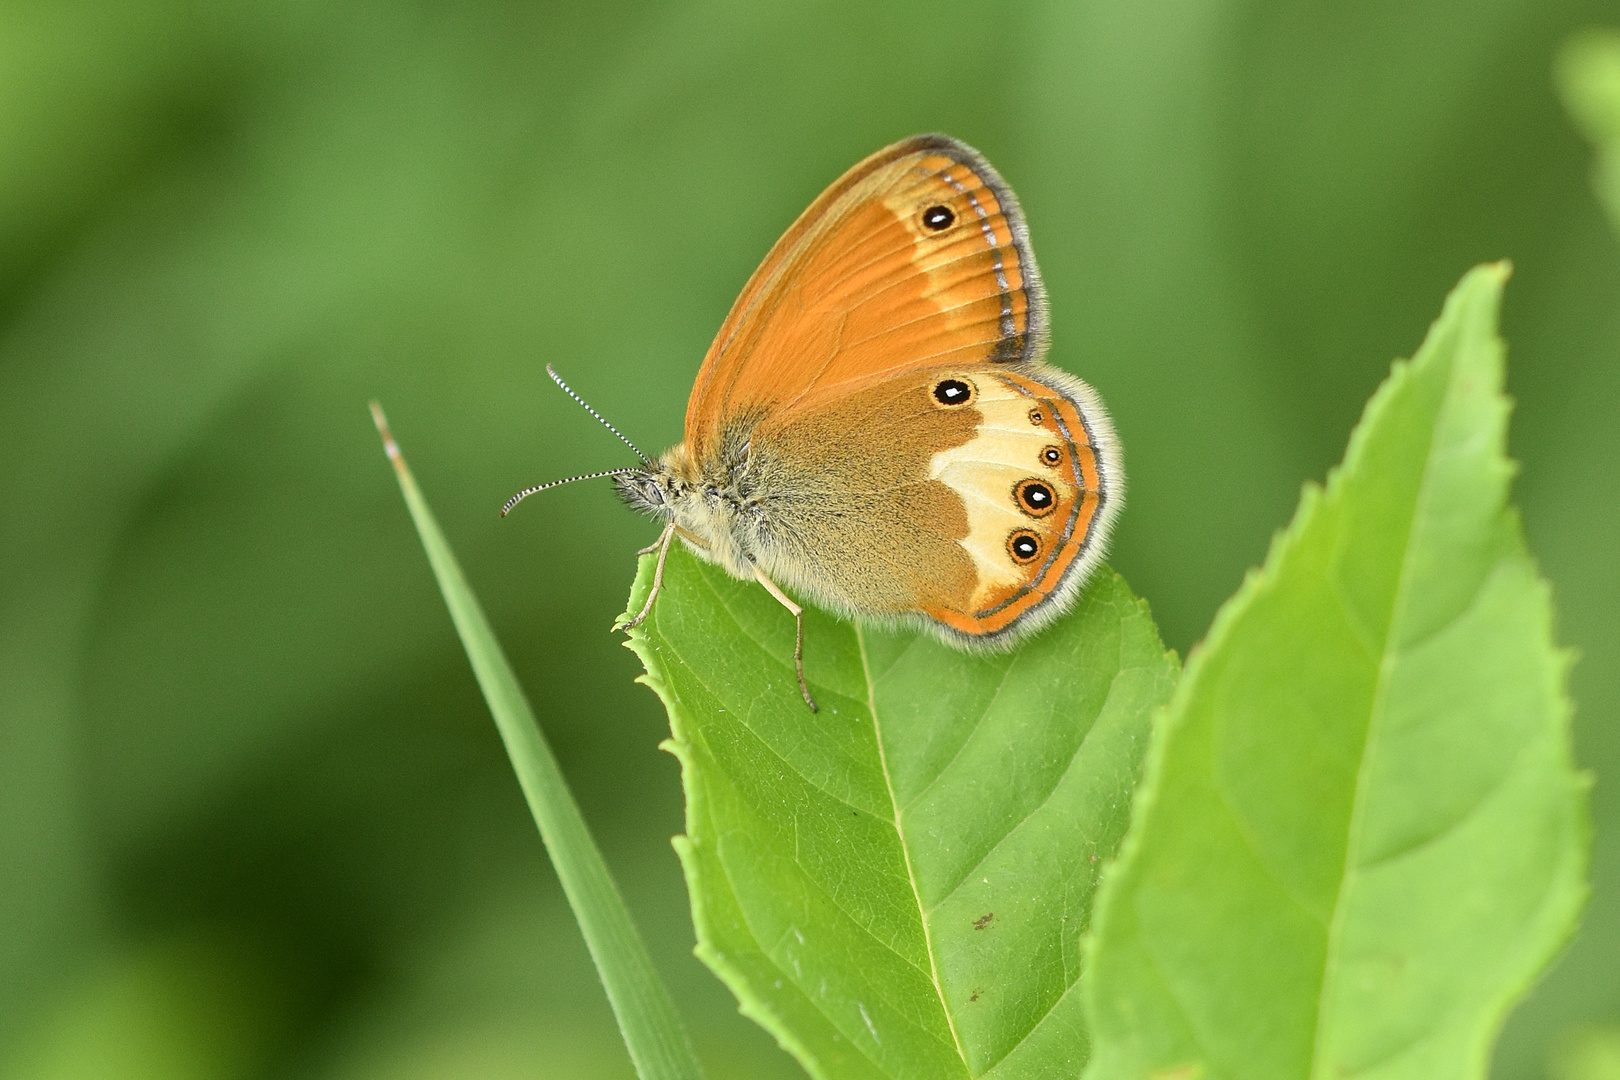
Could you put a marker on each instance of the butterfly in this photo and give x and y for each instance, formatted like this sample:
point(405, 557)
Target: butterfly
point(873, 427)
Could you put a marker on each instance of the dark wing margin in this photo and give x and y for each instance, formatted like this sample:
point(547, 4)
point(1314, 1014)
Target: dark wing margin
point(1015, 348)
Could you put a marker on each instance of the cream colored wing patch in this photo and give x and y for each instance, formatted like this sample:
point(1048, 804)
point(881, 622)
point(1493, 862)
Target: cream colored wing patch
point(986, 472)
point(1039, 484)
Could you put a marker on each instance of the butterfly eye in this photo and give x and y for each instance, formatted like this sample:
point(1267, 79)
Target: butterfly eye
point(938, 218)
point(953, 392)
point(1023, 546)
point(1052, 455)
point(1034, 498)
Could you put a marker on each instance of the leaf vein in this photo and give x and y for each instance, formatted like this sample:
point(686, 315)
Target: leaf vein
point(1386, 661)
point(968, 738)
point(905, 850)
point(1036, 809)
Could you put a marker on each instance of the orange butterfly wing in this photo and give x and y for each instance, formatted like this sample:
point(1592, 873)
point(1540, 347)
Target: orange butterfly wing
point(1041, 485)
point(983, 514)
point(872, 280)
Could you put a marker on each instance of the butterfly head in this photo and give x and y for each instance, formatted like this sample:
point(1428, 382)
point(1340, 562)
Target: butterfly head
point(666, 488)
point(654, 490)
point(713, 503)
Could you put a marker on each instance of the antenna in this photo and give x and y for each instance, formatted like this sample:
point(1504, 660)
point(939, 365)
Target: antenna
point(526, 492)
point(558, 380)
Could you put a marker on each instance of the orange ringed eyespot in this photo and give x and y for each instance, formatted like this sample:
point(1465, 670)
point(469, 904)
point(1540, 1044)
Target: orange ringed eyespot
point(1024, 546)
point(1034, 497)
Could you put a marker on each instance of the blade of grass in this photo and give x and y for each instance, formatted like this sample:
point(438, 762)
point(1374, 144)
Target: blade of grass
point(652, 1029)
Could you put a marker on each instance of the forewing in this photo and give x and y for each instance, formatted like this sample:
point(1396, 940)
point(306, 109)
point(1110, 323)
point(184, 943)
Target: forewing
point(866, 284)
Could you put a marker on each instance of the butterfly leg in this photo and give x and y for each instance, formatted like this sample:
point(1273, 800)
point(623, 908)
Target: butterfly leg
point(661, 545)
point(798, 633)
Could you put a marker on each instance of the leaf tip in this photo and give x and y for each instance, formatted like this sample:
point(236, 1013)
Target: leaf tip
point(390, 447)
point(1487, 280)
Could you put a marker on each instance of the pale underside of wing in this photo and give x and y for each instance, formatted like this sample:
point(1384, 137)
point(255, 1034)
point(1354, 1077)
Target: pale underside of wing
point(1040, 485)
point(982, 518)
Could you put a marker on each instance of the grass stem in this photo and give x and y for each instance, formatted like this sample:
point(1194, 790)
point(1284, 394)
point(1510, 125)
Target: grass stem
point(652, 1029)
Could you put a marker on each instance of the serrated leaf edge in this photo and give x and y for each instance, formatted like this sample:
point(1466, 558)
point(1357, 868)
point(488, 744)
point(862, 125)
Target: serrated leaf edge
point(1167, 719)
point(678, 745)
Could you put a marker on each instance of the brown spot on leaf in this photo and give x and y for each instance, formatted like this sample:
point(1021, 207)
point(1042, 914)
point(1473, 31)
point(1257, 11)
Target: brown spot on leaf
point(983, 920)
point(975, 995)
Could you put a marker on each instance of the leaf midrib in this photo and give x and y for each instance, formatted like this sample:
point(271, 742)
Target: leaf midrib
point(790, 766)
point(905, 850)
point(871, 686)
point(1378, 710)
point(924, 912)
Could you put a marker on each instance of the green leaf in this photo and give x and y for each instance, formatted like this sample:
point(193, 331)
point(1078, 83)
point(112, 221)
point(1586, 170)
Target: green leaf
point(1360, 836)
point(897, 885)
point(1587, 1053)
point(647, 1018)
point(1589, 78)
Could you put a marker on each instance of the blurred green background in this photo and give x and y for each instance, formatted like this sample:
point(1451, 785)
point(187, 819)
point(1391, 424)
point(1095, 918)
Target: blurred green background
point(254, 818)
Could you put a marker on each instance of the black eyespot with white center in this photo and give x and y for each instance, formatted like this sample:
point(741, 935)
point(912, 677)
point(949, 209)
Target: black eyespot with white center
point(952, 392)
point(1024, 546)
point(1052, 456)
point(938, 218)
point(1034, 497)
